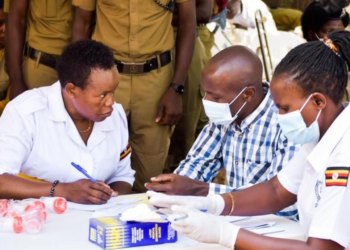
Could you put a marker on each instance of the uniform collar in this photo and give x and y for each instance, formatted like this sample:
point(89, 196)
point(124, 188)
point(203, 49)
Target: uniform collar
point(57, 109)
point(318, 158)
point(261, 110)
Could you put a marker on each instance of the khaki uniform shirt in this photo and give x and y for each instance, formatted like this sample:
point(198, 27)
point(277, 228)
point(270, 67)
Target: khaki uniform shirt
point(136, 30)
point(49, 24)
point(4, 78)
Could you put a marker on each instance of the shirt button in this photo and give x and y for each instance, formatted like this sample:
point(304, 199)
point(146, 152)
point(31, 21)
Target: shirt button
point(133, 10)
point(236, 162)
point(133, 38)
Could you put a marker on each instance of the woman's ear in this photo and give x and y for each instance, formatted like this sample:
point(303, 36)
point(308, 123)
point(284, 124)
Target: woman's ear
point(71, 90)
point(319, 100)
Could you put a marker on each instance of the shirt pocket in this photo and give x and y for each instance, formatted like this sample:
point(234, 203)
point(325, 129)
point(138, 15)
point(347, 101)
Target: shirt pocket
point(255, 172)
point(50, 9)
point(113, 8)
point(109, 3)
point(153, 6)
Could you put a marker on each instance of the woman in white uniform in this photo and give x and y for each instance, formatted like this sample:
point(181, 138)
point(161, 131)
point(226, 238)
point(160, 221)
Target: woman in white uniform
point(44, 130)
point(307, 87)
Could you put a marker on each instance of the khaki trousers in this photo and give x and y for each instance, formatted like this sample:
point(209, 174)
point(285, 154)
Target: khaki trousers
point(140, 96)
point(207, 39)
point(185, 132)
point(37, 75)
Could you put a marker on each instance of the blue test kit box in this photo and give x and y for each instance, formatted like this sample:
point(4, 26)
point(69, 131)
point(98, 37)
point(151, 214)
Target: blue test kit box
point(112, 233)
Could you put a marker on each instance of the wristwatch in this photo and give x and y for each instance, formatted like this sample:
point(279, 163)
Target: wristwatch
point(180, 89)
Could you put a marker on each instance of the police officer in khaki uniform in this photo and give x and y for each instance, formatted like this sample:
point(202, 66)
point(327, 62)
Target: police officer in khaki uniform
point(141, 36)
point(185, 131)
point(40, 29)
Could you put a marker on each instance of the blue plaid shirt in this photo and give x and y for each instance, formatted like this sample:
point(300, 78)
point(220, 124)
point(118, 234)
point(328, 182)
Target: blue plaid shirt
point(252, 152)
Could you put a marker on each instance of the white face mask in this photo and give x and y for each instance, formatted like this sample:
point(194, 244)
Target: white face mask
point(295, 129)
point(220, 113)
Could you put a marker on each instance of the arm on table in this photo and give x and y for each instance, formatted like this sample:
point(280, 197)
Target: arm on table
point(249, 240)
point(16, 142)
point(201, 165)
point(16, 22)
point(82, 191)
point(263, 198)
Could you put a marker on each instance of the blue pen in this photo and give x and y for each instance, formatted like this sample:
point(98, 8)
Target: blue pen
point(83, 171)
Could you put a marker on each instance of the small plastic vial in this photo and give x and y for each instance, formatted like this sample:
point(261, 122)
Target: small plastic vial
point(55, 204)
point(4, 205)
point(11, 224)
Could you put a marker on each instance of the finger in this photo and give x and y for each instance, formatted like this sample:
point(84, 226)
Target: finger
point(100, 195)
point(163, 177)
point(171, 120)
point(104, 184)
point(95, 200)
point(167, 187)
point(166, 118)
point(114, 193)
point(168, 200)
point(183, 209)
point(102, 188)
point(177, 119)
point(160, 113)
point(179, 229)
point(154, 194)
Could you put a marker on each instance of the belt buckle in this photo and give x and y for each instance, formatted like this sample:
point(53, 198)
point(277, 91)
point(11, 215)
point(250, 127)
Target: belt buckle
point(133, 68)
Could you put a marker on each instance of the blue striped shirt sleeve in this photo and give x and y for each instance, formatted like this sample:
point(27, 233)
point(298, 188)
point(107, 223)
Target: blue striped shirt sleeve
point(204, 160)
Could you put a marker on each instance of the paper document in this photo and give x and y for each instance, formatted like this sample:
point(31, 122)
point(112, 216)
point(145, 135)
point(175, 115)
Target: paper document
point(113, 202)
point(235, 218)
point(266, 230)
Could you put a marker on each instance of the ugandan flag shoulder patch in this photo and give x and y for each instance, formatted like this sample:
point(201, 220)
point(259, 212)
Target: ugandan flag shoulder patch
point(337, 176)
point(126, 152)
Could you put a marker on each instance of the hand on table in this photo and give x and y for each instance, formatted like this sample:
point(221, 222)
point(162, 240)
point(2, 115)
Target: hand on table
point(177, 184)
point(213, 204)
point(204, 227)
point(86, 192)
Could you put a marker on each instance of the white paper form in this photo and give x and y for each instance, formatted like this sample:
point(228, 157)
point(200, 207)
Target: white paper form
point(113, 202)
point(248, 223)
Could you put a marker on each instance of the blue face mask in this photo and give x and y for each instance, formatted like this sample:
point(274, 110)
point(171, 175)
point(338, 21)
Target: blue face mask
point(295, 129)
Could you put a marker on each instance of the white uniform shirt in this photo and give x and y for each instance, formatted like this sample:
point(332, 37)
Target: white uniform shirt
point(39, 139)
point(323, 204)
point(247, 17)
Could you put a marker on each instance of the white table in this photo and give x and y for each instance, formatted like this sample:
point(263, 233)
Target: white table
point(69, 231)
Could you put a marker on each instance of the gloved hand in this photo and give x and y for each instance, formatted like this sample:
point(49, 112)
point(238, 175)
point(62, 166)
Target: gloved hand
point(212, 203)
point(204, 227)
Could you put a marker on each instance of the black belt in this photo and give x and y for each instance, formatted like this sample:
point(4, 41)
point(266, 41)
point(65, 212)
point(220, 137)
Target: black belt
point(133, 68)
point(45, 59)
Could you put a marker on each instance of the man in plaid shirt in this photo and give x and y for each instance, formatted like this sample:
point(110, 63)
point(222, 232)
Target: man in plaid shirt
point(251, 148)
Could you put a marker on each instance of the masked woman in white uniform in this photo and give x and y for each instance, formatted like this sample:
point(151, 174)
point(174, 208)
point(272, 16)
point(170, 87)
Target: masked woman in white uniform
point(307, 87)
point(43, 131)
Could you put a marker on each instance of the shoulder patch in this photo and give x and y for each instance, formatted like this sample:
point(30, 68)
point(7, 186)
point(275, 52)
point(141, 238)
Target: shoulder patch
point(125, 152)
point(337, 176)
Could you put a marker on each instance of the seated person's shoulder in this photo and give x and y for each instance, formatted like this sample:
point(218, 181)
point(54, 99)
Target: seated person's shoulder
point(119, 115)
point(30, 101)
